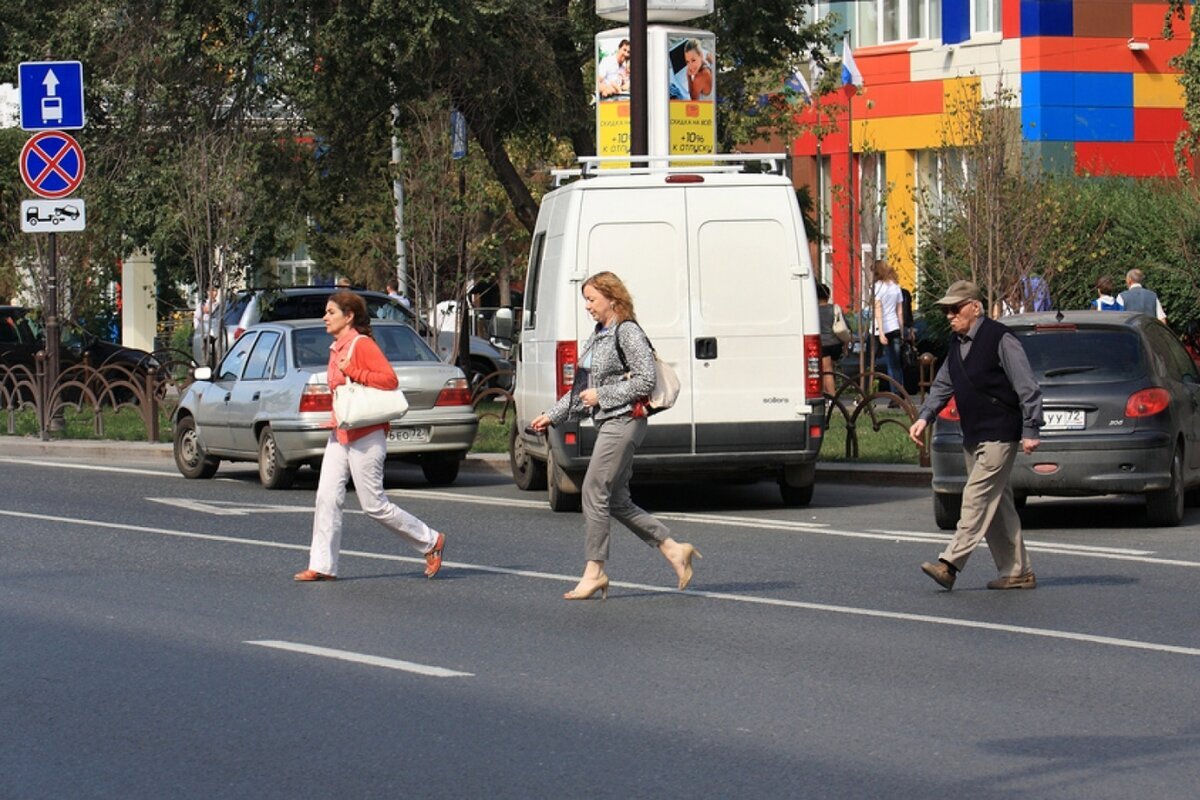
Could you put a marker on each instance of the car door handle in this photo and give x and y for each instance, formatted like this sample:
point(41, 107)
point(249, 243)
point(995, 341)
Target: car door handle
point(256, 395)
point(706, 348)
point(227, 396)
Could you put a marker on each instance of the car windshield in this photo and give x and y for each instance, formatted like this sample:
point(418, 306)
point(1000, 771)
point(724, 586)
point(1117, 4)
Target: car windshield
point(1083, 355)
point(399, 344)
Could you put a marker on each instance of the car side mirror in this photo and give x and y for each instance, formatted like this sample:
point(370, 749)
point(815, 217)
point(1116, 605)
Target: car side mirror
point(202, 373)
point(502, 328)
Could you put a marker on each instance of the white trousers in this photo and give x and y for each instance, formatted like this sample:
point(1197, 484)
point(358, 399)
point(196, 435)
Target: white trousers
point(361, 460)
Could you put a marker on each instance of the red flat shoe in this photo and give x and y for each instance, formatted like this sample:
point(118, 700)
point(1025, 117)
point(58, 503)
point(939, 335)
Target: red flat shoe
point(313, 575)
point(433, 559)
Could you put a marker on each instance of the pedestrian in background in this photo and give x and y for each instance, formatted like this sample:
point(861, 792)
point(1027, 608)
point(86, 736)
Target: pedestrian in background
point(1138, 298)
point(1104, 296)
point(889, 321)
point(612, 395)
point(358, 453)
point(1000, 408)
point(834, 336)
point(393, 291)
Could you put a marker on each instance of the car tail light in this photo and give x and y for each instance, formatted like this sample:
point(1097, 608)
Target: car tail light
point(456, 392)
point(316, 397)
point(237, 332)
point(565, 356)
point(812, 367)
point(950, 412)
point(1147, 403)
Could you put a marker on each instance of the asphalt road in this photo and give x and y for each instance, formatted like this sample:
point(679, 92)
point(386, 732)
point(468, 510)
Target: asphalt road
point(153, 645)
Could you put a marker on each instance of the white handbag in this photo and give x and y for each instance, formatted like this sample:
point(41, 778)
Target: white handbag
point(359, 406)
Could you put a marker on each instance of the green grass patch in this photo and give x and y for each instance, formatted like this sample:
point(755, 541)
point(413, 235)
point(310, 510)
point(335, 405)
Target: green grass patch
point(122, 425)
point(887, 445)
point(494, 424)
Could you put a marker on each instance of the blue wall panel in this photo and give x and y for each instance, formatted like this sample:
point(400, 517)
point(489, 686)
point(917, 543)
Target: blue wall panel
point(956, 21)
point(1048, 88)
point(1047, 18)
point(1103, 124)
point(1104, 89)
point(1048, 123)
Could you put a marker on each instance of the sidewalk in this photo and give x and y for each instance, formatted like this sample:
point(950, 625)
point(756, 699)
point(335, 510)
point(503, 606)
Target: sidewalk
point(827, 472)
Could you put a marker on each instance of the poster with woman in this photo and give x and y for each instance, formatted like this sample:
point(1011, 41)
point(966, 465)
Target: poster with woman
point(693, 66)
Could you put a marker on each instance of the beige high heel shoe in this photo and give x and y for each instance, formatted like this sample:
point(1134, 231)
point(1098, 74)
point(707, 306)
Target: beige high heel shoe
point(588, 587)
point(688, 551)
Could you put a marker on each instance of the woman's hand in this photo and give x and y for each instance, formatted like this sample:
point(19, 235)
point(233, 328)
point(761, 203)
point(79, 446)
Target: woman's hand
point(589, 397)
point(540, 423)
point(344, 363)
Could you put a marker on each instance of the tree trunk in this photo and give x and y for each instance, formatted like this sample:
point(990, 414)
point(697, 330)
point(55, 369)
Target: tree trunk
point(524, 206)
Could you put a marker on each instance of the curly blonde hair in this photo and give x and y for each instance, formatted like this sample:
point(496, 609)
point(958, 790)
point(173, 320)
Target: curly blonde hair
point(613, 288)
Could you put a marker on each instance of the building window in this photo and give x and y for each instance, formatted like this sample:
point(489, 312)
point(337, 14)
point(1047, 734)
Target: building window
point(985, 16)
point(881, 21)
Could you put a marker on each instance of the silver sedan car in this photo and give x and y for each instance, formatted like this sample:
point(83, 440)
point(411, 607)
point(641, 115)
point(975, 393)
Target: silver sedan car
point(268, 401)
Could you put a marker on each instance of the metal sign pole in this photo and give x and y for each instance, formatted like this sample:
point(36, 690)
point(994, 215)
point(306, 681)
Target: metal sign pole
point(52, 339)
point(639, 95)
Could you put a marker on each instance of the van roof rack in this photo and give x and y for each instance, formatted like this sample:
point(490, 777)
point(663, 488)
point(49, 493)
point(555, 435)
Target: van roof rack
point(595, 166)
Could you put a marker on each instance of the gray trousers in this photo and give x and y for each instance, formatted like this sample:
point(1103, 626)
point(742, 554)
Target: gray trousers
point(606, 488)
point(988, 510)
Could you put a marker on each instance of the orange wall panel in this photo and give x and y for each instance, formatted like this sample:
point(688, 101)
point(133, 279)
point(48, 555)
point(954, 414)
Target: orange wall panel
point(1157, 124)
point(898, 100)
point(1135, 159)
point(1148, 21)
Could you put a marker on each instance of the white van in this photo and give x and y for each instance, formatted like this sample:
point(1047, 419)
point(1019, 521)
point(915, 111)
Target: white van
point(722, 282)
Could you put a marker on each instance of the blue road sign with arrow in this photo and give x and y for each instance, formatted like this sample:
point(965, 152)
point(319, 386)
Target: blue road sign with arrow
point(51, 95)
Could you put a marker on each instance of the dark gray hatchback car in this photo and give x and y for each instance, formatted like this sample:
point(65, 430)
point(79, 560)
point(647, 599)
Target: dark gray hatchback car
point(1121, 407)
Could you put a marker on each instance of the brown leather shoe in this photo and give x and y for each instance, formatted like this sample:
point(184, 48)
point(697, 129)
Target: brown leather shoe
point(1026, 581)
point(433, 559)
point(941, 573)
point(313, 575)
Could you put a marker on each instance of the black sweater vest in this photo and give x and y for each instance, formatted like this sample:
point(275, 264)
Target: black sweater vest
point(987, 404)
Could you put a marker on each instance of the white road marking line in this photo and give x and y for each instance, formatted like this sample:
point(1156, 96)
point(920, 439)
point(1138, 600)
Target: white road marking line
point(1044, 546)
point(88, 467)
point(223, 508)
point(1130, 644)
point(362, 658)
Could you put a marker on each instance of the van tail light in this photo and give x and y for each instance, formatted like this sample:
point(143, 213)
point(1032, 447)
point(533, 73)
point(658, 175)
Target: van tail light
point(812, 368)
point(950, 412)
point(1147, 403)
point(455, 392)
point(316, 397)
point(566, 354)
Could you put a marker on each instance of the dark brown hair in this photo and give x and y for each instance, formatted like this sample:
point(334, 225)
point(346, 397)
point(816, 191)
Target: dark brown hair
point(354, 306)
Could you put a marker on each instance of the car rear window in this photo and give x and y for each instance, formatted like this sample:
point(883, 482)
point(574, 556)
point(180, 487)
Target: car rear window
point(277, 307)
point(399, 344)
point(1082, 355)
point(237, 306)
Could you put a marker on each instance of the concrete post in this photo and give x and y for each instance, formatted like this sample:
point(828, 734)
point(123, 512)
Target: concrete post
point(139, 315)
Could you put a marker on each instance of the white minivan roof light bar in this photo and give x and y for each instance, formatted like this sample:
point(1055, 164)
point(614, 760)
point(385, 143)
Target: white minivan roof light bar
point(595, 166)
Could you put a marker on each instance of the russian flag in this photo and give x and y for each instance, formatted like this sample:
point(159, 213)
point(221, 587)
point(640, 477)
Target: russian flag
point(800, 86)
point(850, 74)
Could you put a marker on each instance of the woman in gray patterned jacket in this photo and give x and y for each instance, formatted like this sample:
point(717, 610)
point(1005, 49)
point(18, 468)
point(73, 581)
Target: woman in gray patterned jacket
point(614, 399)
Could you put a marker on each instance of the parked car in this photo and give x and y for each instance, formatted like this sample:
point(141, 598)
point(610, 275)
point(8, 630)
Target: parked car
point(252, 306)
point(22, 337)
point(1121, 401)
point(268, 401)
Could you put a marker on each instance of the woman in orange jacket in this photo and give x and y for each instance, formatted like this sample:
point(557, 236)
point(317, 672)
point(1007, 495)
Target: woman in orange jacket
point(358, 453)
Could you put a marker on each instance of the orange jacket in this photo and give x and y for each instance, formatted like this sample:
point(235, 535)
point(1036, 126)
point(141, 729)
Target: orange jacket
point(368, 366)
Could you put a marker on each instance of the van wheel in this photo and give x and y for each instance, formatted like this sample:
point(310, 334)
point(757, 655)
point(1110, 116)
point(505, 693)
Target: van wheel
point(440, 469)
point(1164, 508)
point(272, 471)
point(190, 458)
point(947, 508)
point(528, 473)
point(562, 491)
point(796, 484)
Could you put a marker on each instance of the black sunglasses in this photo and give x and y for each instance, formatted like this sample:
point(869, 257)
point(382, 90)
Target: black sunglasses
point(950, 311)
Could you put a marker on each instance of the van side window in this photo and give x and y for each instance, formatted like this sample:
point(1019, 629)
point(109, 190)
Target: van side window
point(531, 280)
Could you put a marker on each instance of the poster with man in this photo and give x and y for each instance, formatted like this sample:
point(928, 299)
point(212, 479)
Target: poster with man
point(612, 95)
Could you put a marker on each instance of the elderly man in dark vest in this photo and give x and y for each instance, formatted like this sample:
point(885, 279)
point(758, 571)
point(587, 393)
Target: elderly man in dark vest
point(1138, 298)
point(1000, 407)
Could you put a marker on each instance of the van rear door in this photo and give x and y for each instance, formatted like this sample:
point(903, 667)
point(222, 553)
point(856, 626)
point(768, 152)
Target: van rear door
point(641, 235)
point(747, 381)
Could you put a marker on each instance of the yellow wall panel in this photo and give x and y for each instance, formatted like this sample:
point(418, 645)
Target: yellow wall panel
point(901, 166)
point(1157, 91)
point(919, 132)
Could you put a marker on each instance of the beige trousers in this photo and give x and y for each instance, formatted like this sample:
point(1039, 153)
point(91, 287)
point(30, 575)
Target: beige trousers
point(988, 510)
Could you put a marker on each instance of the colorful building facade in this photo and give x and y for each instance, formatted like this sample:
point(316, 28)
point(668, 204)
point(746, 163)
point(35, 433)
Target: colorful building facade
point(1092, 80)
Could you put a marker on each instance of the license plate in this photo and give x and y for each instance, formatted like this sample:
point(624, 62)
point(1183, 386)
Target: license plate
point(1064, 420)
point(408, 435)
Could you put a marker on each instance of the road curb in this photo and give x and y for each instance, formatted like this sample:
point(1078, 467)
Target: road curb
point(497, 463)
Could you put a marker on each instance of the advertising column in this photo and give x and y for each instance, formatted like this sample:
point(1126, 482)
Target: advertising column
point(682, 65)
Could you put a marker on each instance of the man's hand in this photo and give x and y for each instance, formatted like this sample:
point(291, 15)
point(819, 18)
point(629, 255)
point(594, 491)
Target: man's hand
point(1029, 445)
point(916, 432)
